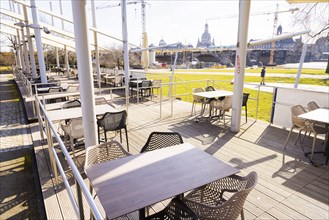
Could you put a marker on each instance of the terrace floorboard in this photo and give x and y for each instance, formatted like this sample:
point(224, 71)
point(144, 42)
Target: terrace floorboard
point(288, 186)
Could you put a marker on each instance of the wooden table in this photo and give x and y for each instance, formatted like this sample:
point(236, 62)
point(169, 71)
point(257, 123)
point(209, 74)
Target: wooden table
point(320, 115)
point(132, 183)
point(62, 114)
point(214, 94)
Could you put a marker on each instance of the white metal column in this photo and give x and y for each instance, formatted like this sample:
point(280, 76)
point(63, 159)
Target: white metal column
point(29, 41)
point(302, 58)
point(38, 42)
point(79, 9)
point(125, 46)
point(240, 63)
point(98, 70)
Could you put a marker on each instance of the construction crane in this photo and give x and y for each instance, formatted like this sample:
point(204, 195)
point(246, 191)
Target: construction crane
point(145, 54)
point(275, 30)
point(292, 10)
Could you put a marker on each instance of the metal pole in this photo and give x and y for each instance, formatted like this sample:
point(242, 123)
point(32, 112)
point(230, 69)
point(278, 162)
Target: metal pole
point(29, 41)
point(26, 56)
point(53, 24)
point(82, 46)
point(98, 70)
point(38, 42)
point(240, 62)
point(125, 47)
point(302, 58)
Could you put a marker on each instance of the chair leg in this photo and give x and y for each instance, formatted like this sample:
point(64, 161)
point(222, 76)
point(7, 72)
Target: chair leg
point(120, 136)
point(285, 145)
point(313, 146)
point(127, 139)
point(73, 150)
point(192, 108)
point(246, 113)
point(242, 214)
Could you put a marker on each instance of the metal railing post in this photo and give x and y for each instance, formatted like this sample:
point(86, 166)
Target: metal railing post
point(257, 103)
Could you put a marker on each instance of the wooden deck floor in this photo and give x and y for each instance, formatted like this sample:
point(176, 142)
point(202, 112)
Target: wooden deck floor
point(288, 186)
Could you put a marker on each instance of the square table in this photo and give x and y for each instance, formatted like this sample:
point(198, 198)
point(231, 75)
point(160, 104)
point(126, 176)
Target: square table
point(62, 114)
point(214, 94)
point(318, 115)
point(132, 183)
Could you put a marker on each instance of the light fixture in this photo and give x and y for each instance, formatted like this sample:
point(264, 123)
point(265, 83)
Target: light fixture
point(22, 24)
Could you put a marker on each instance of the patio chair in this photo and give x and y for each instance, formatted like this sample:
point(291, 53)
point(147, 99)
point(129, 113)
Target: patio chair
point(209, 88)
point(56, 90)
point(244, 104)
point(307, 126)
point(198, 99)
point(156, 84)
point(222, 199)
point(158, 140)
point(104, 152)
point(145, 90)
point(71, 104)
point(103, 101)
point(113, 121)
point(101, 153)
point(312, 106)
point(118, 80)
point(222, 105)
point(73, 131)
point(175, 210)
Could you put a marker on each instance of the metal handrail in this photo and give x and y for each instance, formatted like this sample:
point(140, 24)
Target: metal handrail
point(75, 170)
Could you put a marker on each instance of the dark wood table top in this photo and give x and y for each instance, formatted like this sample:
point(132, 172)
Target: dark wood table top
point(132, 183)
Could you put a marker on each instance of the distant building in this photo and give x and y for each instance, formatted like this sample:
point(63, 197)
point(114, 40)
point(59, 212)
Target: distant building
point(286, 44)
point(206, 39)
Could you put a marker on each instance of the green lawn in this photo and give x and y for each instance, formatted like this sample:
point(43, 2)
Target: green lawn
point(223, 82)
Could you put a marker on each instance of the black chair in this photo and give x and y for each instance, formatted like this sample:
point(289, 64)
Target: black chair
point(158, 140)
point(56, 90)
point(175, 210)
point(145, 90)
point(113, 121)
point(209, 88)
point(244, 104)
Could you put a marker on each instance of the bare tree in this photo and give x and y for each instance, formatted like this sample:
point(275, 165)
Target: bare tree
point(313, 16)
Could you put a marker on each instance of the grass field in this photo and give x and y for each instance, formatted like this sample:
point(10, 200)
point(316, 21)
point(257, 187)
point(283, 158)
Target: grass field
point(223, 82)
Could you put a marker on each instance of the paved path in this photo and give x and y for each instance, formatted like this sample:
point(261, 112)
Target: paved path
point(17, 187)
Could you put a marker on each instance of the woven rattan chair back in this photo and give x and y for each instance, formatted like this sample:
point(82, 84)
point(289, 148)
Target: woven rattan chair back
point(209, 88)
point(73, 130)
point(175, 210)
point(158, 140)
point(113, 121)
point(71, 104)
point(224, 105)
point(196, 98)
point(55, 90)
point(104, 152)
point(312, 106)
point(295, 112)
point(222, 199)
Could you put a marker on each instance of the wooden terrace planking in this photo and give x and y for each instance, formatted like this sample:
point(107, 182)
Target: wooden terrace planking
point(288, 187)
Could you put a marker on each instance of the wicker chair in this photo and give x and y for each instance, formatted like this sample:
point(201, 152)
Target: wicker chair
point(158, 140)
point(156, 84)
point(73, 131)
point(223, 106)
point(209, 88)
point(113, 121)
point(197, 99)
point(312, 106)
point(175, 210)
point(244, 104)
point(222, 199)
point(307, 126)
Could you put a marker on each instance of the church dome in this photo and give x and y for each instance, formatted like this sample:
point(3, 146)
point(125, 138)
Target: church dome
point(162, 42)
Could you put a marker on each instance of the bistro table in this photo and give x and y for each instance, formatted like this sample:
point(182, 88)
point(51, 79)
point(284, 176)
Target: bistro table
point(132, 183)
point(62, 114)
point(214, 94)
point(320, 115)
